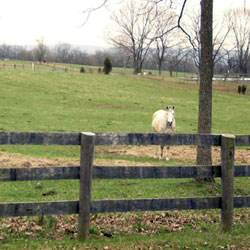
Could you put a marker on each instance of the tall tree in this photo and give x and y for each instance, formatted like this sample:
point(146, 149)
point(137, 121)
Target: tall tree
point(164, 40)
point(134, 31)
point(220, 34)
point(41, 50)
point(207, 51)
point(239, 20)
point(206, 75)
point(175, 56)
point(63, 52)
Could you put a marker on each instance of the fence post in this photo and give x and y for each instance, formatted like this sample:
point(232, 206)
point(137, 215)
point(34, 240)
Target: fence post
point(86, 162)
point(227, 179)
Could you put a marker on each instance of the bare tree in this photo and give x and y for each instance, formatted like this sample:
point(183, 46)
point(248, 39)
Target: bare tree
point(239, 21)
point(174, 57)
point(41, 50)
point(194, 31)
point(134, 31)
point(5, 51)
point(230, 60)
point(220, 34)
point(15, 52)
point(164, 40)
point(63, 52)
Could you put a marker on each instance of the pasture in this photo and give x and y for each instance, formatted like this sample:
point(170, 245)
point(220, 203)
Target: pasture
point(57, 101)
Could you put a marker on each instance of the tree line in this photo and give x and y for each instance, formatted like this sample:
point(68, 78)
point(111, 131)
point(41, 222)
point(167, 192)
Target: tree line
point(176, 59)
point(67, 53)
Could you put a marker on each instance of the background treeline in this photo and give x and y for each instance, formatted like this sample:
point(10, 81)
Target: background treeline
point(176, 59)
point(66, 53)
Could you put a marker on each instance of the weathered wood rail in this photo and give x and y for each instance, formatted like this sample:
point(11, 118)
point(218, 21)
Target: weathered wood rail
point(107, 172)
point(86, 172)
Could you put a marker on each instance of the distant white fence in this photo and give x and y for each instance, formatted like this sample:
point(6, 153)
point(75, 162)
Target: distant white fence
point(230, 78)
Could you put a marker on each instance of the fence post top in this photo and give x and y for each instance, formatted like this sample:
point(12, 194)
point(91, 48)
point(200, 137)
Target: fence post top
point(228, 136)
point(88, 134)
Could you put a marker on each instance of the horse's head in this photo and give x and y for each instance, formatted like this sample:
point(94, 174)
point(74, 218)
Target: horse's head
point(171, 116)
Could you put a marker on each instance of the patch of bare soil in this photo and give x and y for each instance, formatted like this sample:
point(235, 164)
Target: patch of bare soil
point(21, 161)
point(184, 154)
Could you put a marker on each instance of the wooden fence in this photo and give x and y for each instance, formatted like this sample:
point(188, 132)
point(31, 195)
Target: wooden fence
point(86, 171)
point(14, 66)
point(53, 66)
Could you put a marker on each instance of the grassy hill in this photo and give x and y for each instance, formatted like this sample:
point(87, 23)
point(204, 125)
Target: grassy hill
point(65, 101)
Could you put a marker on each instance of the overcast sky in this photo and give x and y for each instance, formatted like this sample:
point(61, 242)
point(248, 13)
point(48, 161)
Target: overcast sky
point(22, 22)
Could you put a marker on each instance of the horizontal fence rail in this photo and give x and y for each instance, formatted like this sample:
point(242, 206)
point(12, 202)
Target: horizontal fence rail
point(34, 138)
point(38, 208)
point(30, 138)
point(105, 206)
point(157, 139)
point(104, 172)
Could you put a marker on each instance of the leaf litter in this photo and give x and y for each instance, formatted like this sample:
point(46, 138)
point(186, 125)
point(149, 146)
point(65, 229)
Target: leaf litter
point(110, 225)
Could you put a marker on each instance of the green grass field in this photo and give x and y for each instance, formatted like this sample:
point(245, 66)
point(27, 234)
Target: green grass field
point(48, 100)
point(65, 101)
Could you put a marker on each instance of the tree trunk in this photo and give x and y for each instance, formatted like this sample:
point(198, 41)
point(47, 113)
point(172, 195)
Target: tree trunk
point(171, 71)
point(159, 67)
point(204, 156)
point(137, 67)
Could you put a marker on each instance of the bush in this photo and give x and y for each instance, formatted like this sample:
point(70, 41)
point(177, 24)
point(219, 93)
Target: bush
point(239, 89)
point(243, 89)
point(82, 70)
point(107, 66)
point(99, 70)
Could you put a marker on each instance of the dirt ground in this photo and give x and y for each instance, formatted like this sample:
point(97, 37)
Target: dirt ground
point(182, 153)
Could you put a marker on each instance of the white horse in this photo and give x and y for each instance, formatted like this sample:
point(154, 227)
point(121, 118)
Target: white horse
point(164, 122)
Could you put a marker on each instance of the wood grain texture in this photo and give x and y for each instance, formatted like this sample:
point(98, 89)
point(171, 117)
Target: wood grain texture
point(241, 201)
point(33, 174)
point(86, 164)
point(102, 172)
point(121, 172)
point(103, 206)
point(38, 208)
point(242, 140)
point(156, 139)
point(35, 138)
point(242, 171)
point(227, 180)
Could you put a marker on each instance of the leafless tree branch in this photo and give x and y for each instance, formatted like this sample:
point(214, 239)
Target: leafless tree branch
point(105, 4)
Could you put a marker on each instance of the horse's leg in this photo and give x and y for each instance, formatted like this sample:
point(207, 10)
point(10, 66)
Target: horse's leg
point(157, 153)
point(167, 158)
point(161, 155)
